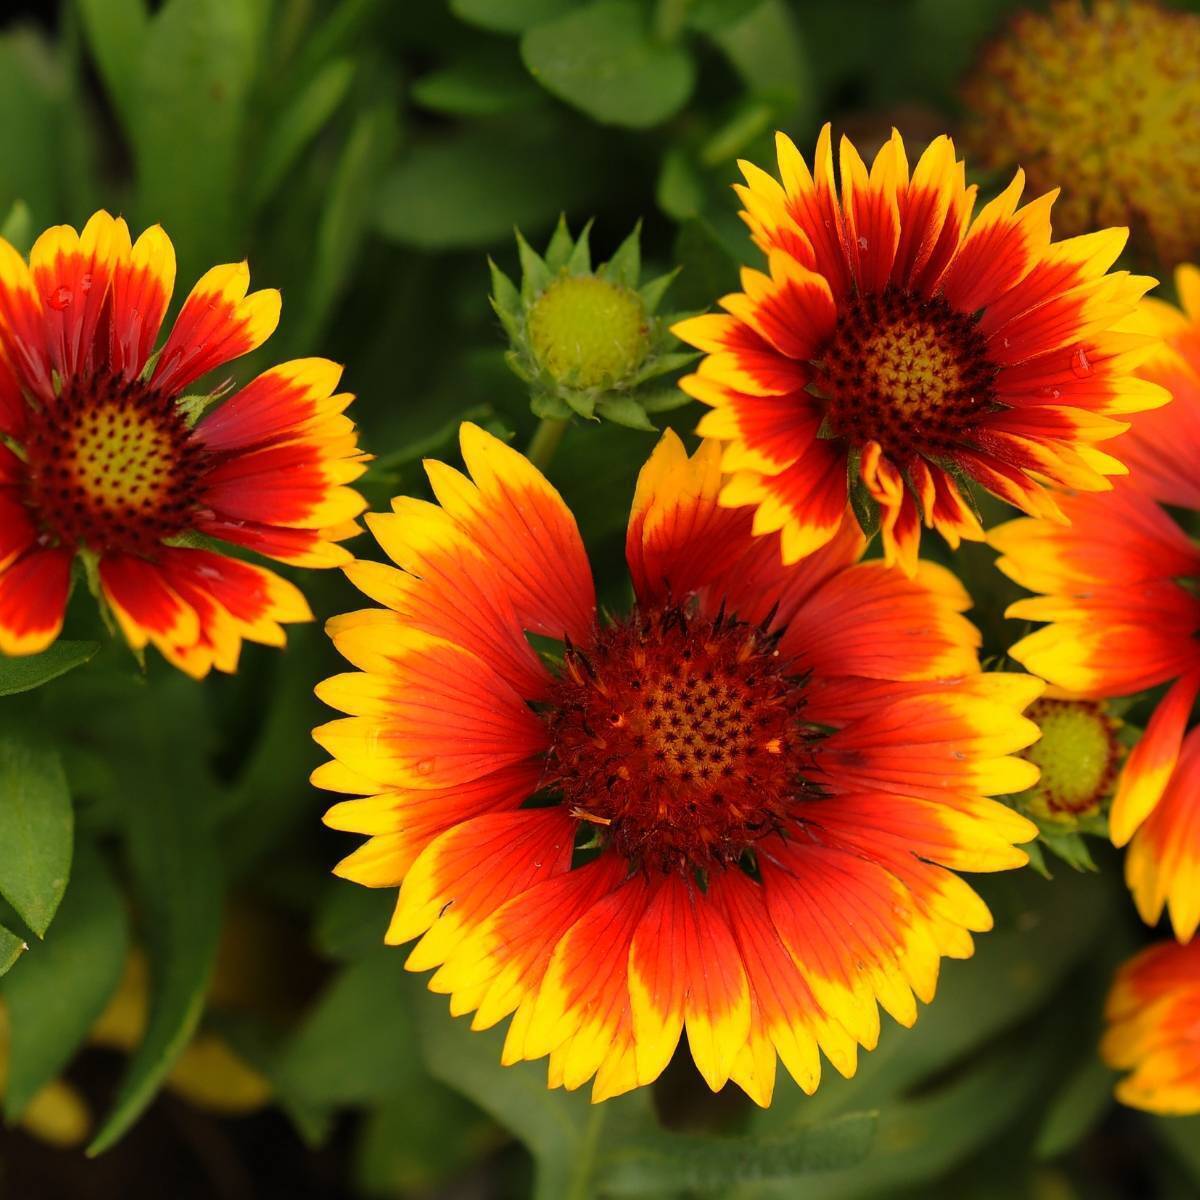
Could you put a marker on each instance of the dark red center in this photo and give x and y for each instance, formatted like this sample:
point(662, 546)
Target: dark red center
point(112, 464)
point(908, 372)
point(679, 737)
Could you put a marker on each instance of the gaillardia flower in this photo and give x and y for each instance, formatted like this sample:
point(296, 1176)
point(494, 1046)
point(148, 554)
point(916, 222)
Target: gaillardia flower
point(735, 810)
point(896, 349)
point(102, 458)
point(1102, 98)
point(1121, 594)
point(1153, 1015)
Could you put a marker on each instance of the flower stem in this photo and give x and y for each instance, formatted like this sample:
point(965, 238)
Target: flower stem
point(585, 1157)
point(545, 441)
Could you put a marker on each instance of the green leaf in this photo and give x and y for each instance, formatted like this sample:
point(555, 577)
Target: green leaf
point(357, 1044)
point(553, 1125)
point(508, 16)
point(187, 123)
point(414, 1141)
point(560, 247)
point(547, 407)
point(11, 948)
point(352, 920)
point(62, 985)
point(299, 124)
point(604, 60)
point(178, 881)
point(680, 191)
point(116, 35)
point(624, 410)
point(347, 215)
point(1076, 1107)
point(1182, 1135)
point(31, 95)
point(24, 674)
point(17, 229)
point(664, 1163)
point(535, 275)
point(708, 16)
point(477, 86)
point(471, 188)
point(625, 266)
point(766, 49)
point(37, 825)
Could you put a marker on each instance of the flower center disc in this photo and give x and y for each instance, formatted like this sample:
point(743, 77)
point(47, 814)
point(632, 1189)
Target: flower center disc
point(679, 736)
point(112, 465)
point(907, 372)
point(1077, 754)
point(587, 331)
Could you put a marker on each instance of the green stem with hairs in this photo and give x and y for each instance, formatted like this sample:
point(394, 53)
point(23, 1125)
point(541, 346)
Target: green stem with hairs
point(545, 441)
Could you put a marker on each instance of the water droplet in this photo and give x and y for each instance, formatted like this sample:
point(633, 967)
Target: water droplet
point(425, 766)
point(863, 244)
point(85, 283)
point(1049, 393)
point(1080, 365)
point(60, 298)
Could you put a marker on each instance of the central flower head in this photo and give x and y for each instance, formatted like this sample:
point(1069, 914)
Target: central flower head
point(680, 736)
point(112, 464)
point(905, 371)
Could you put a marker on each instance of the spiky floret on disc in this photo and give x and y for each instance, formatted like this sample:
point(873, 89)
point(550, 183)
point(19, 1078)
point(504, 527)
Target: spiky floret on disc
point(589, 342)
point(898, 351)
point(734, 810)
point(102, 459)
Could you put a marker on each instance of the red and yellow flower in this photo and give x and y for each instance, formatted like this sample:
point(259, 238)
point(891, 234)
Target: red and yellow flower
point(896, 349)
point(1153, 1015)
point(737, 810)
point(101, 458)
point(1121, 597)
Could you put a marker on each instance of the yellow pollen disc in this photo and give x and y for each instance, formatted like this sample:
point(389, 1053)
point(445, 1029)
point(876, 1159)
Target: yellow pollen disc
point(912, 365)
point(1104, 100)
point(120, 458)
point(586, 331)
point(1077, 755)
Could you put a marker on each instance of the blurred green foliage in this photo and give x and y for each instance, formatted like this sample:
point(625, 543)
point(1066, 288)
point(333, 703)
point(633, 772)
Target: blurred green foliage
point(366, 157)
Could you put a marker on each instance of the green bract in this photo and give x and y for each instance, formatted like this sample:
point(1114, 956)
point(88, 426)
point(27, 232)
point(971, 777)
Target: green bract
point(590, 342)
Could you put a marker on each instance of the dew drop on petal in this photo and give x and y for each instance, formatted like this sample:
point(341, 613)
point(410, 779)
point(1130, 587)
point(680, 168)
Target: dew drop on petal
point(425, 766)
point(60, 298)
point(1080, 365)
point(85, 283)
point(863, 244)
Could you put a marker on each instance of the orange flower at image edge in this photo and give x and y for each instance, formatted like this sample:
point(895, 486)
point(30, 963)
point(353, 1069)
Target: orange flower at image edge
point(1121, 594)
point(735, 810)
point(897, 343)
point(1153, 1015)
point(101, 459)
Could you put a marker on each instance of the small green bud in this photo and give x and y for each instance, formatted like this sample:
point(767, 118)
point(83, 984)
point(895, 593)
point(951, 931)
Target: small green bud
point(589, 341)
